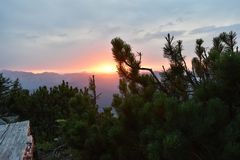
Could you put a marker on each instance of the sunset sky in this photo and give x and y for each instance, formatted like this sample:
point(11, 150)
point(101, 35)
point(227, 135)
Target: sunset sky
point(74, 35)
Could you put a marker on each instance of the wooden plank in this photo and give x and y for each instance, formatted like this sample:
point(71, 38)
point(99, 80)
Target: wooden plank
point(13, 140)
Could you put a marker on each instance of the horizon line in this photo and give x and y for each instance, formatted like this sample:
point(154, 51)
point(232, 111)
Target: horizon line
point(61, 73)
point(55, 72)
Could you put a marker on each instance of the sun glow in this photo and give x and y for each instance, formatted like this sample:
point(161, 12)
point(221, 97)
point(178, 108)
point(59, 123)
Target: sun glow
point(107, 68)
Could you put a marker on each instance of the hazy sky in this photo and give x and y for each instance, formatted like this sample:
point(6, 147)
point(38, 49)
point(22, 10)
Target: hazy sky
point(75, 35)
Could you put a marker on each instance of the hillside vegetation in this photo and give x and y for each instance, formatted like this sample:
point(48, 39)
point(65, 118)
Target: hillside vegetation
point(187, 114)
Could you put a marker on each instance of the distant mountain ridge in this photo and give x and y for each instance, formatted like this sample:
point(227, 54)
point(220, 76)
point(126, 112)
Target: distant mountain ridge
point(107, 84)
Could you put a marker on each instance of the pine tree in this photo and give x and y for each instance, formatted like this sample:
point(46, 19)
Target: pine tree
point(5, 85)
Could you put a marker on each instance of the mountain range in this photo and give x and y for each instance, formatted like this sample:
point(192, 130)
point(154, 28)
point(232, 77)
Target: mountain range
point(107, 84)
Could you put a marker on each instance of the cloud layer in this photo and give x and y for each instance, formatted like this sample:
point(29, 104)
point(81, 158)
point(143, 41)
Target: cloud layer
point(66, 35)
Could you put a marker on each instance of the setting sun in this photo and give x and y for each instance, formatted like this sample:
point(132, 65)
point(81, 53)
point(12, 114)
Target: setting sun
point(107, 68)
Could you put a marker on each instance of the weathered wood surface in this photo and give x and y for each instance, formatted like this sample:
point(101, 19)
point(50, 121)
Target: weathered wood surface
point(13, 140)
point(2, 122)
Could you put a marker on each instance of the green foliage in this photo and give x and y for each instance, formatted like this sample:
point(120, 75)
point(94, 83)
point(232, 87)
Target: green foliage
point(232, 140)
point(190, 115)
point(5, 85)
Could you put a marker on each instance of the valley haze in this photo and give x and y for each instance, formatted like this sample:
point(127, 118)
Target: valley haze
point(107, 84)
